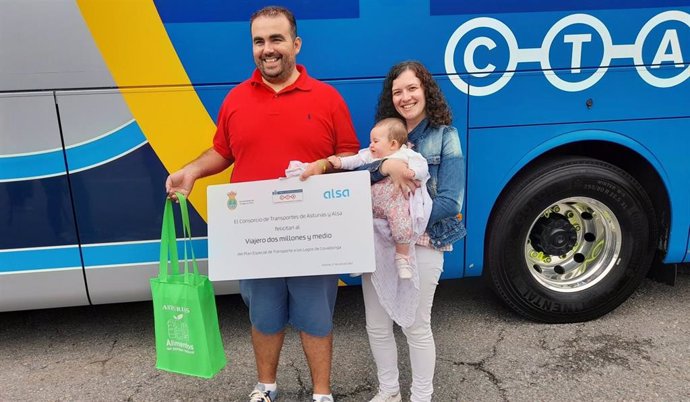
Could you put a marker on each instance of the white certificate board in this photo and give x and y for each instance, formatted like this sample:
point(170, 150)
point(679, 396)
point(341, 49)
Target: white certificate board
point(287, 227)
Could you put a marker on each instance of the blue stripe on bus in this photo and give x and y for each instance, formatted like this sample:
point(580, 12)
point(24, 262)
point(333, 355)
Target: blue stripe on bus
point(136, 253)
point(103, 149)
point(43, 164)
point(173, 11)
point(84, 156)
point(446, 7)
point(94, 255)
point(39, 259)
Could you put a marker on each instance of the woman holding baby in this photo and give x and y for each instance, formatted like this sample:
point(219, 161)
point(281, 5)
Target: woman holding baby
point(411, 94)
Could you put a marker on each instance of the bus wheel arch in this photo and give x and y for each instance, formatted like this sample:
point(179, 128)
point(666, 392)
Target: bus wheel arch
point(632, 163)
point(570, 238)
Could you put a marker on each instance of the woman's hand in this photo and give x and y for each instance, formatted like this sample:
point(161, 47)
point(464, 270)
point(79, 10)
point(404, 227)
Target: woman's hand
point(397, 170)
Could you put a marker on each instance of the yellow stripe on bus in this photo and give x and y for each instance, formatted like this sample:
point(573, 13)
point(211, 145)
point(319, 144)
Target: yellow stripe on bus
point(137, 50)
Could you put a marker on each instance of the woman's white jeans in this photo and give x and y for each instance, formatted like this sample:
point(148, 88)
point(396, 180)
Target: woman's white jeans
point(419, 336)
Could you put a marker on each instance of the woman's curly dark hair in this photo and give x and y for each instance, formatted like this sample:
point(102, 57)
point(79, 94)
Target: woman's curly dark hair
point(437, 110)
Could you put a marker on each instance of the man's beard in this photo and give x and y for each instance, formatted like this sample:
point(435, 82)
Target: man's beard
point(281, 74)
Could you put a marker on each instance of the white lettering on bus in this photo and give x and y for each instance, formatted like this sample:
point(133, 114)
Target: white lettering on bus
point(668, 51)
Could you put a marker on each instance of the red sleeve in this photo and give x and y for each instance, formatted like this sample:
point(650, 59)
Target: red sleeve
point(221, 140)
point(345, 137)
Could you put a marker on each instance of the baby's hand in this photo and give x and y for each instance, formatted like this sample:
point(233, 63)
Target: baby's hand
point(335, 161)
point(409, 174)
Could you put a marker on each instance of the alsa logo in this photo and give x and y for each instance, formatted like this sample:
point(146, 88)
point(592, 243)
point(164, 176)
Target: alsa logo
point(485, 46)
point(334, 193)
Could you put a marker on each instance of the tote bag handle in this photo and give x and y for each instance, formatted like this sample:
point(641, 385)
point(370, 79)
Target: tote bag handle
point(168, 250)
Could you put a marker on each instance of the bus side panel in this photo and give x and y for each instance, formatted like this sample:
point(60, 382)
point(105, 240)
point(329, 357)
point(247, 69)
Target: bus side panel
point(455, 263)
point(118, 184)
point(119, 190)
point(620, 95)
point(640, 107)
point(40, 265)
point(47, 45)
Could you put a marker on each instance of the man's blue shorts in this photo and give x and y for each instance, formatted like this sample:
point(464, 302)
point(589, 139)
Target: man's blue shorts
point(306, 302)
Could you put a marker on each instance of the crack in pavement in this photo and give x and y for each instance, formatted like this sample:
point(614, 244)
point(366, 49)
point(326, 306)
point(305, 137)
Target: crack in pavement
point(303, 391)
point(368, 388)
point(109, 357)
point(480, 366)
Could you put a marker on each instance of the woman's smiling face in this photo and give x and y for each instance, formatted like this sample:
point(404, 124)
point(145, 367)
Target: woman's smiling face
point(409, 98)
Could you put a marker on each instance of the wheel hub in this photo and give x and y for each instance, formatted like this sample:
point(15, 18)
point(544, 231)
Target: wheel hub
point(572, 244)
point(554, 235)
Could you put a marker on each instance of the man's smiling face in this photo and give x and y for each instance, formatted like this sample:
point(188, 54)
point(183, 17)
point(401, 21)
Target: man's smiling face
point(274, 48)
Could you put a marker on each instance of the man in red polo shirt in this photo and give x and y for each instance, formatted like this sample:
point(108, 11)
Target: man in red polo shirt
point(278, 115)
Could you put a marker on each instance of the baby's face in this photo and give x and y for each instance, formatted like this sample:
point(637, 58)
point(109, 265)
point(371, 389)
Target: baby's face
point(380, 145)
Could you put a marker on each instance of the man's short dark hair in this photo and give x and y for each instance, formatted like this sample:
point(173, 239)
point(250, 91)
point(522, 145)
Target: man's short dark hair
point(274, 11)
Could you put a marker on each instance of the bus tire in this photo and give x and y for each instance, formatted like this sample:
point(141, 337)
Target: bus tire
point(570, 240)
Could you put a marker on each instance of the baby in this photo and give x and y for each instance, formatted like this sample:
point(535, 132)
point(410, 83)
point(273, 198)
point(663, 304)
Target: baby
point(388, 140)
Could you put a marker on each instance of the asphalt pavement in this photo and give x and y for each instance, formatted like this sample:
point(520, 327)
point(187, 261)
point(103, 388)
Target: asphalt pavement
point(639, 352)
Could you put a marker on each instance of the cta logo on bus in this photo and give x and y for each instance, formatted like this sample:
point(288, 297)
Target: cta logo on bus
point(480, 55)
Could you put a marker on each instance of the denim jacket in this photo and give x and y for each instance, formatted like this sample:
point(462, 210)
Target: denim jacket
point(441, 148)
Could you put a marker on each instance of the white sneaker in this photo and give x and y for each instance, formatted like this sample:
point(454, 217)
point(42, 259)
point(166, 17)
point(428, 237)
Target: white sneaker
point(259, 394)
point(402, 263)
point(386, 397)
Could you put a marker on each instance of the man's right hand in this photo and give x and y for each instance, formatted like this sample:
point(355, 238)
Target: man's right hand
point(181, 181)
point(396, 170)
point(208, 163)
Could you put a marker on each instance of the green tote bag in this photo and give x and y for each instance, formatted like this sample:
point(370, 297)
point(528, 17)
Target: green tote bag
point(188, 338)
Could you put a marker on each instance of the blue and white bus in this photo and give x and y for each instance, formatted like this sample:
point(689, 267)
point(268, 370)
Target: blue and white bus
point(574, 118)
